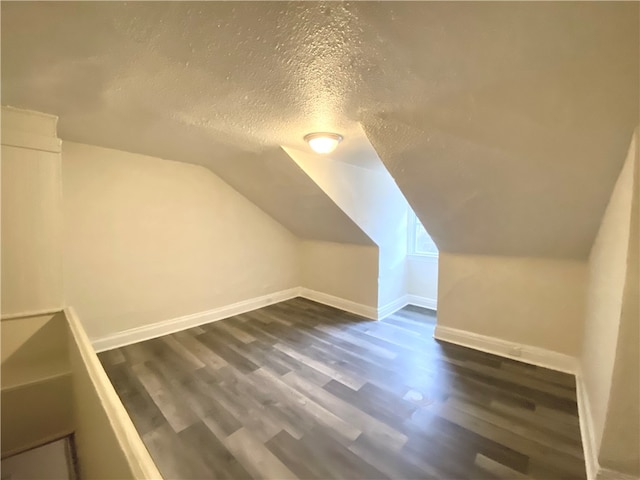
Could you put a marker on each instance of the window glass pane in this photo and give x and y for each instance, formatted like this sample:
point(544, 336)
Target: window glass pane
point(423, 244)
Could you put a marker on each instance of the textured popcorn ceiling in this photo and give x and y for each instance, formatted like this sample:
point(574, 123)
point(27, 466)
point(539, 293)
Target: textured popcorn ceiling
point(505, 124)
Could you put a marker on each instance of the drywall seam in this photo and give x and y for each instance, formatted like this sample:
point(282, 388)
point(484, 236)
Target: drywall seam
point(340, 303)
point(528, 354)
point(166, 327)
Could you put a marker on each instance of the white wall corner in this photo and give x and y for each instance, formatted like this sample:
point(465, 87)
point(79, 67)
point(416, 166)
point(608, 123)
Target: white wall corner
point(172, 325)
point(589, 444)
point(516, 351)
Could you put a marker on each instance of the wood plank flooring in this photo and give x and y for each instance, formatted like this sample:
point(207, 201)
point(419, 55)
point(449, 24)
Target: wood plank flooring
point(301, 390)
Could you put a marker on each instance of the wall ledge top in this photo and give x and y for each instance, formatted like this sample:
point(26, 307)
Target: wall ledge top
point(29, 129)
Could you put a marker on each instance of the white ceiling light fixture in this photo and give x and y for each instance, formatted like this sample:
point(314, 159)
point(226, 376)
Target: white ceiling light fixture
point(323, 142)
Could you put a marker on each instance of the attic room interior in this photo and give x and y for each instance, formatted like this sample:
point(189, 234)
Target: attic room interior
point(320, 240)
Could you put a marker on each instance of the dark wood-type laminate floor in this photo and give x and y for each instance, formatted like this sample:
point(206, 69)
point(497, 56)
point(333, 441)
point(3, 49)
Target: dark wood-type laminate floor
point(301, 390)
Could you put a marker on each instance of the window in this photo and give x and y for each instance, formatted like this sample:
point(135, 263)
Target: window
point(420, 243)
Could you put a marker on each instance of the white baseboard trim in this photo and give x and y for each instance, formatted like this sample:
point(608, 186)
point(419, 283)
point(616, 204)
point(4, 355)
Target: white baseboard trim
point(528, 354)
point(392, 307)
point(586, 429)
point(398, 304)
point(589, 444)
point(147, 332)
point(606, 474)
point(172, 325)
point(339, 303)
point(424, 302)
point(366, 310)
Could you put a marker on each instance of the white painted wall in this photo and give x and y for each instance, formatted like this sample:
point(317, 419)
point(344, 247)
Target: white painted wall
point(373, 201)
point(608, 345)
point(36, 404)
point(422, 279)
point(343, 270)
point(36, 382)
point(620, 445)
point(31, 213)
point(607, 272)
point(529, 301)
point(146, 240)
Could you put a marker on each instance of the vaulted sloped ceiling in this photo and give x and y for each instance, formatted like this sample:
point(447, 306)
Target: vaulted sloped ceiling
point(518, 151)
point(282, 189)
point(505, 124)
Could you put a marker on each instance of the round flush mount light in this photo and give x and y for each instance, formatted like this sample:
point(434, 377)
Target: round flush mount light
point(323, 142)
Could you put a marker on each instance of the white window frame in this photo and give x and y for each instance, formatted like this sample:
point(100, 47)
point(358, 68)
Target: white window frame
point(412, 220)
